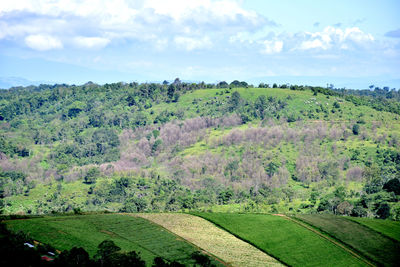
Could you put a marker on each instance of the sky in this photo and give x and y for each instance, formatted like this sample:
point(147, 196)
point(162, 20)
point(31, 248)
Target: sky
point(348, 43)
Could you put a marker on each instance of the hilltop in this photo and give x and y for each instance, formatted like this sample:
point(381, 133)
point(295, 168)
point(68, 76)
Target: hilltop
point(179, 146)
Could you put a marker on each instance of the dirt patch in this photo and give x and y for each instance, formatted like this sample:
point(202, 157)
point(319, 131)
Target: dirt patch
point(108, 233)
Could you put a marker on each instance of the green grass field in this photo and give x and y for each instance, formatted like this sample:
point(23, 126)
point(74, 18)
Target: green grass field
point(87, 231)
point(385, 227)
point(363, 239)
point(284, 239)
point(212, 239)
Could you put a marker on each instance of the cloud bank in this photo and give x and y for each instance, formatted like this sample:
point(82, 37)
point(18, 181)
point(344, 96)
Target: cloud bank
point(47, 24)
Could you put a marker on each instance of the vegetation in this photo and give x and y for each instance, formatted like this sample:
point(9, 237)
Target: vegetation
point(285, 240)
point(173, 147)
point(126, 232)
point(379, 98)
point(370, 243)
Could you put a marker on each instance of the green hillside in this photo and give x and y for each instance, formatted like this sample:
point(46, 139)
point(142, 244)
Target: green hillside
point(172, 147)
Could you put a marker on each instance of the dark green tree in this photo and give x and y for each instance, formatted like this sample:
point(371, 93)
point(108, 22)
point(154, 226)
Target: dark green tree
point(171, 91)
point(91, 176)
point(392, 185)
point(356, 129)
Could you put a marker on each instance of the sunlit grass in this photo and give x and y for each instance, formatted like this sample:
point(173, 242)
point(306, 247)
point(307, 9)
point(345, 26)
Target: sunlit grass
point(212, 239)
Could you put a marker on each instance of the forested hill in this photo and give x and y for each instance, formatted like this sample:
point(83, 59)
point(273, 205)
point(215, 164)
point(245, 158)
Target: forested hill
point(175, 146)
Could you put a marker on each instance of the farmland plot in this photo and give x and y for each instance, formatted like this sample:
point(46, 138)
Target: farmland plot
point(284, 239)
point(212, 239)
point(87, 231)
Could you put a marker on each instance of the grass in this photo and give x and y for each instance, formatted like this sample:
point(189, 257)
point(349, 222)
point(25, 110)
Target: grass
point(207, 236)
point(370, 243)
point(291, 243)
point(386, 227)
point(87, 231)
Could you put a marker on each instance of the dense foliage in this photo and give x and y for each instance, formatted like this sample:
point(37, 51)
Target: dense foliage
point(174, 146)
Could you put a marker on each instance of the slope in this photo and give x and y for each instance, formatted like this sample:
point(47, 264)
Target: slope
point(284, 239)
point(369, 243)
point(87, 231)
point(211, 239)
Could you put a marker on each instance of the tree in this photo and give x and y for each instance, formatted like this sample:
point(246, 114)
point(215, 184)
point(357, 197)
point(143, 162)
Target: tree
point(156, 133)
point(74, 257)
point(395, 212)
point(356, 129)
point(373, 177)
point(171, 91)
point(91, 175)
point(344, 208)
point(201, 259)
point(176, 97)
point(160, 262)
point(135, 204)
point(106, 248)
point(234, 101)
point(260, 105)
point(225, 195)
point(235, 83)
point(139, 119)
point(383, 211)
point(129, 259)
point(392, 185)
point(271, 168)
point(336, 104)
point(130, 99)
point(177, 82)
point(156, 145)
point(222, 84)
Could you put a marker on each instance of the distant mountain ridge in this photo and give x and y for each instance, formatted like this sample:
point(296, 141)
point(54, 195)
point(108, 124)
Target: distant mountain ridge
point(338, 82)
point(8, 82)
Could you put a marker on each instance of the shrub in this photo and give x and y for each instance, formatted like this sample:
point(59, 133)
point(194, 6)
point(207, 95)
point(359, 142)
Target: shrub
point(356, 129)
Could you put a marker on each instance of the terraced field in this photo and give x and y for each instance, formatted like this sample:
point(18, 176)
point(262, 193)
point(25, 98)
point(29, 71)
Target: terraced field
point(388, 228)
point(129, 233)
point(230, 239)
point(368, 242)
point(286, 240)
point(212, 239)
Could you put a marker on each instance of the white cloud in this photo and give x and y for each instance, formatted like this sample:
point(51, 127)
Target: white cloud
point(201, 10)
point(190, 43)
point(332, 37)
point(272, 47)
point(316, 43)
point(357, 35)
point(43, 42)
point(96, 23)
point(91, 42)
point(331, 40)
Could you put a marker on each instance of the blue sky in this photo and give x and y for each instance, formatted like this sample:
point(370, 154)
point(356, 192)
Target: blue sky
point(348, 43)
